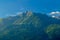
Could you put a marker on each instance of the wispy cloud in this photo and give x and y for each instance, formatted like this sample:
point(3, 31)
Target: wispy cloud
point(18, 13)
point(12, 15)
point(7, 15)
point(57, 12)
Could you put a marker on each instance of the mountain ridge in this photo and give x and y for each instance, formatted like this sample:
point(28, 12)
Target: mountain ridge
point(29, 26)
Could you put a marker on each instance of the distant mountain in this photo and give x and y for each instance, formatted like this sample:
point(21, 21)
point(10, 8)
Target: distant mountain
point(29, 26)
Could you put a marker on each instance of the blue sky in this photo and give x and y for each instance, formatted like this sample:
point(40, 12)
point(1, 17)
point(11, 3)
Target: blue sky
point(8, 7)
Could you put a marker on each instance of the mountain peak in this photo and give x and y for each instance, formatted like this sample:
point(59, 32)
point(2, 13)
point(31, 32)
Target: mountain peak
point(26, 13)
point(29, 13)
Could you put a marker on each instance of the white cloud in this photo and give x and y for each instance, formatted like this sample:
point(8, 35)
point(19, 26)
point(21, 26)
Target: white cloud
point(19, 13)
point(53, 16)
point(21, 9)
point(57, 12)
point(7, 15)
point(12, 15)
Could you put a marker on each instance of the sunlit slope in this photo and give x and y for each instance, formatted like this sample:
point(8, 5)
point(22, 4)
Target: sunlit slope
point(1, 20)
point(53, 31)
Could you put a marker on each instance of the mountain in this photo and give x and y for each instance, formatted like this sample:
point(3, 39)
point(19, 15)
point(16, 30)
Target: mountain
point(29, 26)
